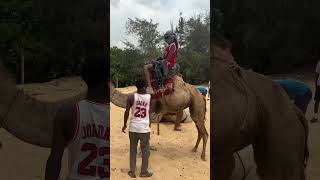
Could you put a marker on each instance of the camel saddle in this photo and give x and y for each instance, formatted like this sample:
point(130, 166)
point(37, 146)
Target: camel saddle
point(162, 79)
point(164, 89)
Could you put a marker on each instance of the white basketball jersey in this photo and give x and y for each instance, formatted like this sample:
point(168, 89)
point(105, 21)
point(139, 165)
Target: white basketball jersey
point(89, 150)
point(139, 121)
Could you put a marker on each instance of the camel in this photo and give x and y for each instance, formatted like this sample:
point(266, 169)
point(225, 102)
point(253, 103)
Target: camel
point(185, 95)
point(28, 118)
point(251, 109)
point(172, 117)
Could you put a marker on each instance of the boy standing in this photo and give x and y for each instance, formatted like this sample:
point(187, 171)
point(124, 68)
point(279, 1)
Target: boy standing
point(139, 128)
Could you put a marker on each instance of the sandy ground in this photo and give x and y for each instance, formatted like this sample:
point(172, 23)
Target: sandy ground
point(173, 158)
point(313, 172)
point(23, 161)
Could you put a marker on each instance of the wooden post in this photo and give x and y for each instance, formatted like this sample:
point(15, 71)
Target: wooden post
point(117, 82)
point(158, 128)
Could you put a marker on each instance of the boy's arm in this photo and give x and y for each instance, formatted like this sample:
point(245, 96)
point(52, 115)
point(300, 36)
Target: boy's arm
point(53, 166)
point(126, 113)
point(63, 131)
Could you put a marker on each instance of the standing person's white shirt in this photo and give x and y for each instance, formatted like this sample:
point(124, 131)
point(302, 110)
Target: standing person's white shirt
point(92, 134)
point(139, 121)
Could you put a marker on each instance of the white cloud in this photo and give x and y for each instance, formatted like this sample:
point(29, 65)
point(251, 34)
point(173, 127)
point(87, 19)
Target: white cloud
point(160, 11)
point(115, 3)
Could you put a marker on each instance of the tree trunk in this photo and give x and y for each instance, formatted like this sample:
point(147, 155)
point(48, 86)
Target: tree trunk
point(117, 82)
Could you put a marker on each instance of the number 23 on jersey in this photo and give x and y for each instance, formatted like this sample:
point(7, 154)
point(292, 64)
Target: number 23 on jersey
point(140, 112)
point(84, 167)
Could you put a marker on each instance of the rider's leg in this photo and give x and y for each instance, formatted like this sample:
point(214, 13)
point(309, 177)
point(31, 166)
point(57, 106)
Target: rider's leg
point(147, 75)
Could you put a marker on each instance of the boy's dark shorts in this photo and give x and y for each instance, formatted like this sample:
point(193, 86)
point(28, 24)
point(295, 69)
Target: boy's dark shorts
point(317, 94)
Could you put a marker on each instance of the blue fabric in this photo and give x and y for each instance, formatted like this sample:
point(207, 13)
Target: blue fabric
point(203, 90)
point(293, 87)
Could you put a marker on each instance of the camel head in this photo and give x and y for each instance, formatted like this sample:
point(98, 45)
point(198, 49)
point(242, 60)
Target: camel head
point(117, 97)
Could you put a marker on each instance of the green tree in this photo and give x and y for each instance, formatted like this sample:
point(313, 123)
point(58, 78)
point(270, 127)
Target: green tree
point(52, 36)
point(127, 64)
point(194, 58)
point(180, 31)
point(271, 36)
point(148, 36)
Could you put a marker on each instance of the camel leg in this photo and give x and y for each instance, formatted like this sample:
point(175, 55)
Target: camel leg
point(198, 140)
point(204, 134)
point(197, 113)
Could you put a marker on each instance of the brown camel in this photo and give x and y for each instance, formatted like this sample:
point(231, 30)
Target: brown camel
point(184, 96)
point(28, 118)
point(249, 108)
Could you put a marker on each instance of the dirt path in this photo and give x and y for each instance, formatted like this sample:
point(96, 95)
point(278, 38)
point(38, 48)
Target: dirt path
point(23, 161)
point(173, 158)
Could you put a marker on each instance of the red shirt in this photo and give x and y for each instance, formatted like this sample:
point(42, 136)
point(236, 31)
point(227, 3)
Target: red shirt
point(172, 60)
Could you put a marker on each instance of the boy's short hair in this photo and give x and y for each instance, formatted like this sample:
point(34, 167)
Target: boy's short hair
point(140, 84)
point(95, 71)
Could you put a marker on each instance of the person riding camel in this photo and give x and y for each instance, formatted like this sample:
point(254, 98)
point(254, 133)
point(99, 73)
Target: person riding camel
point(169, 58)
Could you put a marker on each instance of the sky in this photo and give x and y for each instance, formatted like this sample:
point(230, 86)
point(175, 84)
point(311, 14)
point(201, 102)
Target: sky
point(160, 11)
